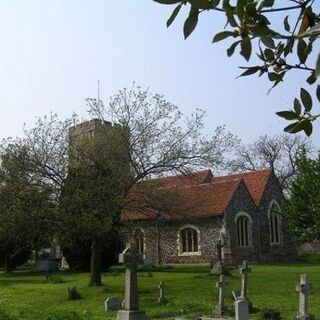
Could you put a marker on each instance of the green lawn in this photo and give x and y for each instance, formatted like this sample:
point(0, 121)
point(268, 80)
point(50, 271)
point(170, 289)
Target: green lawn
point(190, 291)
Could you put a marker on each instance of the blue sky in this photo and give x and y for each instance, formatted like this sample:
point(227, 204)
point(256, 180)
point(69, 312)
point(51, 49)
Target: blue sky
point(53, 52)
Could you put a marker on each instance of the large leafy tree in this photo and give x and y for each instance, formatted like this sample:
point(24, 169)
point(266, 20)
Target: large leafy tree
point(26, 209)
point(158, 140)
point(281, 48)
point(90, 179)
point(303, 207)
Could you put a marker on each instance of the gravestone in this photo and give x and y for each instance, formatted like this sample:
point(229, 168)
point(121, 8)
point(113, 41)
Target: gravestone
point(112, 304)
point(303, 288)
point(218, 267)
point(161, 299)
point(241, 310)
point(244, 271)
point(242, 303)
point(130, 257)
point(220, 307)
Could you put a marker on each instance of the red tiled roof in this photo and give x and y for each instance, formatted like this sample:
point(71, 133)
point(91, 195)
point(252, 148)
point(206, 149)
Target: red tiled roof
point(189, 179)
point(207, 199)
point(197, 195)
point(255, 181)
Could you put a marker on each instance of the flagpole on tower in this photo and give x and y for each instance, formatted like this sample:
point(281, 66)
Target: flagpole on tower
point(98, 97)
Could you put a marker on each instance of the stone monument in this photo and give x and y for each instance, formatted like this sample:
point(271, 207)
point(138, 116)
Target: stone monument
point(220, 307)
point(303, 288)
point(130, 257)
point(242, 303)
point(161, 299)
point(218, 266)
point(244, 271)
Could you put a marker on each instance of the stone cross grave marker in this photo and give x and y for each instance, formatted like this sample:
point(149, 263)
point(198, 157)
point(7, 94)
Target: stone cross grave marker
point(161, 299)
point(130, 257)
point(220, 306)
point(303, 288)
point(218, 266)
point(244, 271)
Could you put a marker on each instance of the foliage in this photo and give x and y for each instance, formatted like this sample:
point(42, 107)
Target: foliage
point(303, 207)
point(88, 177)
point(281, 49)
point(25, 209)
point(271, 314)
point(279, 152)
point(74, 294)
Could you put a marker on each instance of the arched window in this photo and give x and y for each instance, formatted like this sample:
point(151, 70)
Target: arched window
point(138, 238)
point(275, 223)
point(243, 222)
point(189, 241)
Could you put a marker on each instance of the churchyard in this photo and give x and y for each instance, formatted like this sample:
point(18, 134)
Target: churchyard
point(189, 290)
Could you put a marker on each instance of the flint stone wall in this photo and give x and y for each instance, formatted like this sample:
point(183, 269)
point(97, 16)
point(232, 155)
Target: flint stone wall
point(162, 244)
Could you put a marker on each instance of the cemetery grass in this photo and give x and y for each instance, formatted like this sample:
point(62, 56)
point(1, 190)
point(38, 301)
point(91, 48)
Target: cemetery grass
point(189, 290)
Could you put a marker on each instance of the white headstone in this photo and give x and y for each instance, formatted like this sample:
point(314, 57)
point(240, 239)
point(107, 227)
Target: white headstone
point(303, 288)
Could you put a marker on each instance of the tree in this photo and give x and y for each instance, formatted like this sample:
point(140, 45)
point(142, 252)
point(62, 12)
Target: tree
point(279, 152)
point(303, 207)
point(26, 210)
point(94, 191)
point(159, 140)
point(90, 178)
point(281, 49)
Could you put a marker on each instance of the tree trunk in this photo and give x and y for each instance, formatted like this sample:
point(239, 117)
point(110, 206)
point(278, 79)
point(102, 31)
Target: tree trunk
point(95, 269)
point(8, 266)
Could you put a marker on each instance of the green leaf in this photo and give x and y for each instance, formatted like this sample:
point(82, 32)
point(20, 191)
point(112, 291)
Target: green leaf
point(223, 35)
point(266, 3)
point(302, 50)
point(288, 115)
point(246, 48)
point(229, 10)
point(306, 99)
point(312, 78)
point(249, 71)
point(297, 106)
point(231, 49)
point(304, 125)
point(307, 127)
point(274, 76)
point(268, 42)
point(261, 31)
point(318, 92)
point(286, 24)
point(191, 22)
point(201, 4)
point(174, 14)
point(289, 46)
point(167, 1)
point(269, 54)
point(240, 8)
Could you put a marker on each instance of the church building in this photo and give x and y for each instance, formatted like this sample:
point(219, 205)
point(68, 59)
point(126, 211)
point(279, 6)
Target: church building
point(242, 210)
